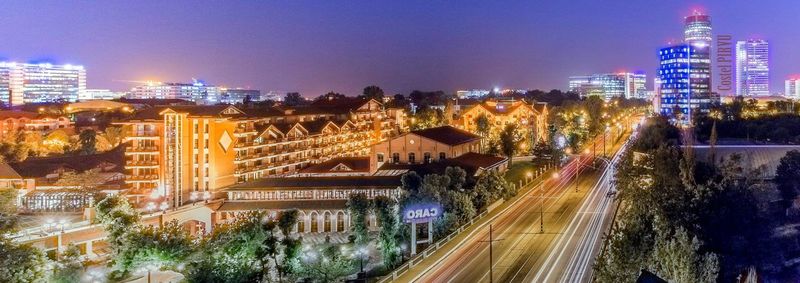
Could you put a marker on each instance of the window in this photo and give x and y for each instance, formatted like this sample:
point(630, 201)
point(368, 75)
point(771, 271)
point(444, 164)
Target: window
point(395, 157)
point(412, 158)
point(426, 157)
point(380, 157)
point(205, 130)
point(442, 156)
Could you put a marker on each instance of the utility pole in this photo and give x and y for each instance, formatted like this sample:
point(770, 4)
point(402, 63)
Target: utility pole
point(491, 257)
point(541, 209)
point(577, 173)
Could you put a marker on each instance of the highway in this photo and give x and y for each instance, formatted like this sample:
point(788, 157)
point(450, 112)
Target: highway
point(576, 216)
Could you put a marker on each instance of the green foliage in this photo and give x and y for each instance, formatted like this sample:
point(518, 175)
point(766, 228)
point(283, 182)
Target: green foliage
point(229, 253)
point(678, 259)
point(69, 266)
point(779, 128)
point(294, 99)
point(21, 263)
point(787, 177)
point(359, 207)
point(490, 187)
point(509, 141)
point(326, 265)
point(386, 210)
point(8, 210)
point(427, 117)
point(165, 246)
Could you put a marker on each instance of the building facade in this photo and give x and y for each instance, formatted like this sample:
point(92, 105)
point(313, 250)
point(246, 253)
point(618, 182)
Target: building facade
point(22, 83)
point(685, 81)
point(22, 121)
point(752, 68)
point(697, 30)
point(180, 152)
point(529, 117)
point(197, 91)
point(792, 88)
point(100, 94)
point(239, 95)
point(608, 86)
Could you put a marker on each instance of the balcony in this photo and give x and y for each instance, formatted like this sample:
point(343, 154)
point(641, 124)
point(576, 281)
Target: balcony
point(140, 149)
point(141, 163)
point(141, 178)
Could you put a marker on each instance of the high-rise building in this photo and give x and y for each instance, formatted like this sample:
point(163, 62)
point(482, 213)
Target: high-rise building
point(685, 81)
point(608, 86)
point(752, 67)
point(22, 83)
point(792, 88)
point(697, 30)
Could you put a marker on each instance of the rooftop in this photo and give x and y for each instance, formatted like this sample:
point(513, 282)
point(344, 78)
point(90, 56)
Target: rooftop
point(318, 182)
point(340, 164)
point(447, 135)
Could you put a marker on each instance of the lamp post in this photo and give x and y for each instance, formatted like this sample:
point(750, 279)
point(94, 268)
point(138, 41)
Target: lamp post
point(193, 197)
point(206, 196)
point(361, 253)
point(530, 177)
point(541, 209)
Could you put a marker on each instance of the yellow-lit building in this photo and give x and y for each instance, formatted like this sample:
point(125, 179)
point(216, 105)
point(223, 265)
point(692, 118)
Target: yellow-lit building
point(186, 153)
point(532, 117)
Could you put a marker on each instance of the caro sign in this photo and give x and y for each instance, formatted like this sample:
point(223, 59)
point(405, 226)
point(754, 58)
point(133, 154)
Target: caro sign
point(421, 212)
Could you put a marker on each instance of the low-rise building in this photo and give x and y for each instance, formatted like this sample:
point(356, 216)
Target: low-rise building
point(22, 121)
point(531, 118)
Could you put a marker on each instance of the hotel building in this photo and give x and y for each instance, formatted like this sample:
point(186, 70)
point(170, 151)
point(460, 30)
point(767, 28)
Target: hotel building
point(697, 30)
point(22, 83)
point(608, 86)
point(178, 152)
point(752, 68)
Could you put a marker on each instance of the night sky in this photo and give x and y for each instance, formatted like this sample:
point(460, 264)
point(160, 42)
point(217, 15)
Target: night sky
point(319, 46)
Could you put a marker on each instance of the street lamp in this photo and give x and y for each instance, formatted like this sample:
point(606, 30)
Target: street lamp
point(193, 197)
point(206, 196)
point(164, 206)
point(530, 176)
point(361, 252)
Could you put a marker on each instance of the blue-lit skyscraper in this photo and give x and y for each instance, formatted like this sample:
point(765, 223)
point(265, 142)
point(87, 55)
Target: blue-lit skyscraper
point(685, 81)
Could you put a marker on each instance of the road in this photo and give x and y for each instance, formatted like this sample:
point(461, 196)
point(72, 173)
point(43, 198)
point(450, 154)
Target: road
point(576, 214)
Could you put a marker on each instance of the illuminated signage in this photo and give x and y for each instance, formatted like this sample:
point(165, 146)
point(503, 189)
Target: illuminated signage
point(422, 212)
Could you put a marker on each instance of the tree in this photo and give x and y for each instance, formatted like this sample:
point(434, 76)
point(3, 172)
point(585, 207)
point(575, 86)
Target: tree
point(230, 252)
point(327, 265)
point(386, 210)
point(21, 263)
point(484, 128)
point(373, 92)
point(118, 219)
point(509, 141)
point(678, 259)
point(165, 246)
point(359, 207)
point(787, 176)
point(330, 96)
point(8, 210)
point(56, 141)
point(83, 181)
point(69, 266)
point(293, 99)
point(285, 262)
point(87, 140)
point(114, 135)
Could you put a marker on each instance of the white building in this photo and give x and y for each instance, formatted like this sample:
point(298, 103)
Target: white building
point(197, 91)
point(22, 83)
point(792, 88)
point(752, 68)
point(608, 86)
point(473, 93)
point(104, 94)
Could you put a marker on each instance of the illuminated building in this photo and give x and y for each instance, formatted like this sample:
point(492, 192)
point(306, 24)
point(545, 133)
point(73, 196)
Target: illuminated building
point(100, 94)
point(238, 95)
point(685, 81)
point(532, 118)
point(179, 152)
point(197, 91)
point(22, 121)
point(752, 68)
point(697, 30)
point(473, 93)
point(22, 83)
point(792, 87)
point(608, 86)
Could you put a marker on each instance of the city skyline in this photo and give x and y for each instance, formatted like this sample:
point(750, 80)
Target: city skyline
point(426, 47)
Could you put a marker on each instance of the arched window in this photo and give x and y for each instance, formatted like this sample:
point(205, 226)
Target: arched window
point(412, 158)
point(314, 222)
point(442, 156)
point(301, 223)
point(380, 157)
point(426, 157)
point(339, 221)
point(395, 157)
point(327, 225)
